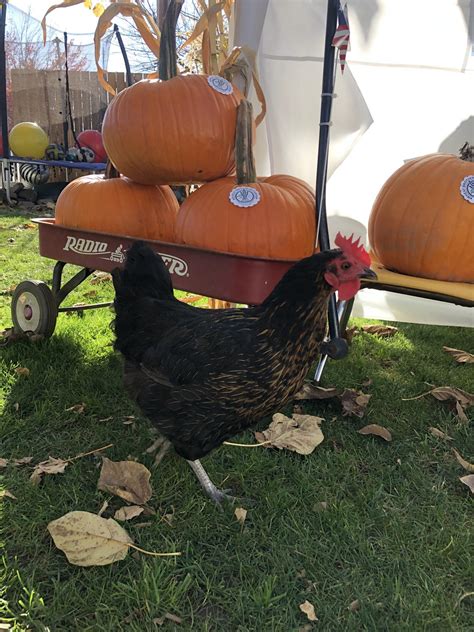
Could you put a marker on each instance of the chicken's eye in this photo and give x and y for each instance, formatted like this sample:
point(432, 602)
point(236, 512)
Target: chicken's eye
point(346, 265)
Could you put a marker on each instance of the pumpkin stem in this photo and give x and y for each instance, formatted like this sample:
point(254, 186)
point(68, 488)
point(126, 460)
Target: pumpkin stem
point(244, 161)
point(167, 65)
point(467, 152)
point(111, 171)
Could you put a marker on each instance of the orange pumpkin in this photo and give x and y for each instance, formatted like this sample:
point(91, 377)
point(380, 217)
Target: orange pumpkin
point(281, 225)
point(422, 220)
point(176, 131)
point(118, 206)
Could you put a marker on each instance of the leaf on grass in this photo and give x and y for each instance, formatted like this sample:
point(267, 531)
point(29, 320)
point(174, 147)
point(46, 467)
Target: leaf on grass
point(436, 432)
point(349, 333)
point(376, 430)
point(240, 513)
point(353, 402)
point(22, 370)
point(469, 481)
point(460, 413)
point(127, 479)
point(127, 513)
point(51, 466)
point(463, 357)
point(7, 494)
point(300, 434)
point(167, 617)
point(469, 467)
point(77, 408)
point(105, 504)
point(321, 506)
point(88, 540)
point(384, 331)
point(9, 335)
point(23, 461)
point(100, 277)
point(446, 393)
point(3, 462)
point(354, 606)
point(312, 391)
point(308, 610)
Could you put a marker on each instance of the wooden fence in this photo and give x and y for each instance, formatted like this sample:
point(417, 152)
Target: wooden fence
point(39, 96)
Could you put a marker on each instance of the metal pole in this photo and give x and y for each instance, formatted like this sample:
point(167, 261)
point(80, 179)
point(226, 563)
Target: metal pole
point(3, 80)
point(323, 148)
point(124, 55)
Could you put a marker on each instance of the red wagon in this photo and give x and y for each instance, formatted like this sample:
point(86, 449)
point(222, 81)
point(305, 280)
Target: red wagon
point(235, 278)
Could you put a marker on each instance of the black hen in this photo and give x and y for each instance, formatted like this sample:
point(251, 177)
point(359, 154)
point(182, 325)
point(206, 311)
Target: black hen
point(202, 376)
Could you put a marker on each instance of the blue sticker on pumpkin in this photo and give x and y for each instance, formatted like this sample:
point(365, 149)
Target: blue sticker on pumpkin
point(244, 197)
point(220, 84)
point(467, 189)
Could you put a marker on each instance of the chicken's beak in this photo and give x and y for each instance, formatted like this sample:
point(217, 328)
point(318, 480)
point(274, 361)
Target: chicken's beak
point(368, 273)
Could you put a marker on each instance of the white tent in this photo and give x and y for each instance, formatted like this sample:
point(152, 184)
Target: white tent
point(407, 90)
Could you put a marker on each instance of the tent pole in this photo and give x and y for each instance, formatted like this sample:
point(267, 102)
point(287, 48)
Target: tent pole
point(3, 80)
point(336, 347)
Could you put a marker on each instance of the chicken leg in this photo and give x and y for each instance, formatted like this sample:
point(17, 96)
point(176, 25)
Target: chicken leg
point(216, 494)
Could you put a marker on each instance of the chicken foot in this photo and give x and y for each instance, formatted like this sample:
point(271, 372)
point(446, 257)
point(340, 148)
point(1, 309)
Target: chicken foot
point(162, 445)
point(216, 494)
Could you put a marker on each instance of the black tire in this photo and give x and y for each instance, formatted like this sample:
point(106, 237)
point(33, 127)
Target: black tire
point(34, 308)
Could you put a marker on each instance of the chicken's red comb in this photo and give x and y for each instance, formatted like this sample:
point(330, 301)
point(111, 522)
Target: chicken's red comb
point(352, 248)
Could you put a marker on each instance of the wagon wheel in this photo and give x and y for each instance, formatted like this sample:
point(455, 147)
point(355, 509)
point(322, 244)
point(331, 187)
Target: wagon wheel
point(34, 308)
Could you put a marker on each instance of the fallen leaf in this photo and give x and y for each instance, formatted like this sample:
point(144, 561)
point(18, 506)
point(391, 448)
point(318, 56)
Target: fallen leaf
point(469, 467)
point(88, 540)
point(312, 391)
point(354, 402)
point(7, 494)
point(16, 407)
point(462, 357)
point(300, 434)
point(349, 333)
point(436, 432)
point(105, 504)
point(469, 481)
point(308, 610)
point(127, 479)
point(90, 293)
point(127, 513)
point(447, 393)
point(3, 462)
point(100, 277)
point(378, 431)
point(354, 606)
point(22, 370)
point(367, 382)
point(104, 419)
point(321, 506)
point(141, 525)
point(77, 408)
point(51, 466)
point(240, 513)
point(167, 617)
point(460, 413)
point(384, 331)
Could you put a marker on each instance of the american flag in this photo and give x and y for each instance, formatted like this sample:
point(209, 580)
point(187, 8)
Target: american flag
point(342, 34)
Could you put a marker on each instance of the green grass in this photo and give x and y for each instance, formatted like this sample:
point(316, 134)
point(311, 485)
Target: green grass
point(396, 534)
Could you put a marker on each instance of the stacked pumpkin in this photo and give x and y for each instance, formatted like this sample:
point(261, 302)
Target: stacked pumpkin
point(180, 131)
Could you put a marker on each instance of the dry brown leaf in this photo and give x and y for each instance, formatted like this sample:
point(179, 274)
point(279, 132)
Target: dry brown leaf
point(100, 277)
point(447, 393)
point(300, 434)
point(22, 370)
point(354, 402)
point(354, 606)
point(349, 333)
point(461, 414)
point(321, 506)
point(469, 467)
point(469, 481)
point(16, 407)
point(3, 462)
point(167, 617)
point(384, 331)
point(105, 504)
point(378, 431)
point(240, 513)
point(308, 610)
point(77, 408)
point(7, 494)
point(88, 540)
point(462, 357)
point(51, 466)
point(436, 432)
point(312, 391)
point(127, 479)
point(127, 513)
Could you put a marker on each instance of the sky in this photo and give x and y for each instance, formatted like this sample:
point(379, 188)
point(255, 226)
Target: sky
point(76, 19)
